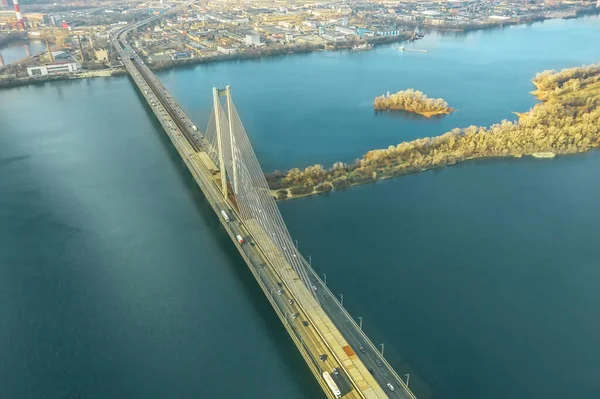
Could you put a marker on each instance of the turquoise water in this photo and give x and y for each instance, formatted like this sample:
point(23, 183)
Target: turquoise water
point(116, 281)
point(15, 51)
point(317, 108)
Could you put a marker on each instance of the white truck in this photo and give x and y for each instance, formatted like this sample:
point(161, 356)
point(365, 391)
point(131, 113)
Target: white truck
point(195, 128)
point(332, 385)
point(240, 239)
point(225, 216)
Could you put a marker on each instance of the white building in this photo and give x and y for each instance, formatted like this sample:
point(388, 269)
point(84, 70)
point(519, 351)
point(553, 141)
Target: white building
point(334, 37)
point(226, 50)
point(253, 39)
point(53, 69)
point(345, 31)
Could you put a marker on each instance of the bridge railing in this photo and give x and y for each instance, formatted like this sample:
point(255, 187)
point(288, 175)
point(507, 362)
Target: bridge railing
point(324, 286)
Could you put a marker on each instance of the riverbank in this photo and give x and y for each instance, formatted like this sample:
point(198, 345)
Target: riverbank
point(101, 73)
point(380, 40)
point(567, 121)
point(11, 37)
point(493, 24)
point(269, 52)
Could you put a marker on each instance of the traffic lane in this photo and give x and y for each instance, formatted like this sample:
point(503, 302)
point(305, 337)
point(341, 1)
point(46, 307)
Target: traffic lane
point(382, 374)
point(341, 380)
point(256, 259)
point(282, 299)
point(355, 339)
point(343, 324)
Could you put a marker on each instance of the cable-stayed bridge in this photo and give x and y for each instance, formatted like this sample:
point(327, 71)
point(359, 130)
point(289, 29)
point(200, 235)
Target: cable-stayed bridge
point(342, 358)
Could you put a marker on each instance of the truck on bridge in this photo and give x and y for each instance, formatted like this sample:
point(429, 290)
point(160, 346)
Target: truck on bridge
point(332, 385)
point(225, 216)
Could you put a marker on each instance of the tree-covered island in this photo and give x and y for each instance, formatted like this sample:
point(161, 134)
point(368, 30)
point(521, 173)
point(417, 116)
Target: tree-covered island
point(412, 101)
point(566, 121)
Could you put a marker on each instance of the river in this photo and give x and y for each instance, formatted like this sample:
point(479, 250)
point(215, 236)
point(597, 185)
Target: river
point(116, 281)
point(18, 50)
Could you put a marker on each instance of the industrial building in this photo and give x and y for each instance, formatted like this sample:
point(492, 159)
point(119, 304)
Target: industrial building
point(53, 69)
point(253, 39)
point(181, 55)
point(101, 55)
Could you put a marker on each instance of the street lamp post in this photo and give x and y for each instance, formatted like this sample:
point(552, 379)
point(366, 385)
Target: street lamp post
point(310, 260)
point(382, 347)
point(359, 322)
point(342, 299)
point(407, 378)
point(325, 278)
point(296, 241)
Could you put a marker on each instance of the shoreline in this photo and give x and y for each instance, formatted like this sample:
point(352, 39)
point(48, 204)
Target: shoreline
point(99, 73)
point(277, 52)
point(426, 114)
point(566, 121)
point(12, 37)
point(534, 155)
point(583, 12)
point(12, 82)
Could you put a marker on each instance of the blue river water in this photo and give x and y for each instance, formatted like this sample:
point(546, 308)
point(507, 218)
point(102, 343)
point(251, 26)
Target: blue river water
point(481, 279)
point(15, 51)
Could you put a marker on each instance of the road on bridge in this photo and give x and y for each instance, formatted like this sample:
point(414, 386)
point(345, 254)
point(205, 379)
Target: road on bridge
point(306, 318)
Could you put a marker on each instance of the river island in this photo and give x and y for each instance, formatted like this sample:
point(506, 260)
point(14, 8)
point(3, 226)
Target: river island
point(566, 121)
point(411, 100)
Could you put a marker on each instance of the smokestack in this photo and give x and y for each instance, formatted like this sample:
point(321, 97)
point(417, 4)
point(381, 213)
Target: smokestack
point(81, 48)
point(49, 52)
point(20, 22)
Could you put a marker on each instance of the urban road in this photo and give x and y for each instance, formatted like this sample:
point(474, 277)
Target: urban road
point(354, 381)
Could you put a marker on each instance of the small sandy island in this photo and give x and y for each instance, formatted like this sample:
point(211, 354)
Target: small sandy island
point(412, 101)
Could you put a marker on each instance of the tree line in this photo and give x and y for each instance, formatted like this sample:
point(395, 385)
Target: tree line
point(567, 121)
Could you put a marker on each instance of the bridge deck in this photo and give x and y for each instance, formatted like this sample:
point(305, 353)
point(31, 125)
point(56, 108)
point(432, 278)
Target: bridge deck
point(307, 322)
point(331, 336)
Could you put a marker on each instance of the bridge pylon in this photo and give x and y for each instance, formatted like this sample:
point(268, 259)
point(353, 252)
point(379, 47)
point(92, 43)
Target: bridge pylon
point(219, 129)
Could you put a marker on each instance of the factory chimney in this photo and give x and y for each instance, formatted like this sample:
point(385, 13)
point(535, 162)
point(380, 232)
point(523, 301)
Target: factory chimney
point(81, 49)
point(49, 52)
point(20, 22)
